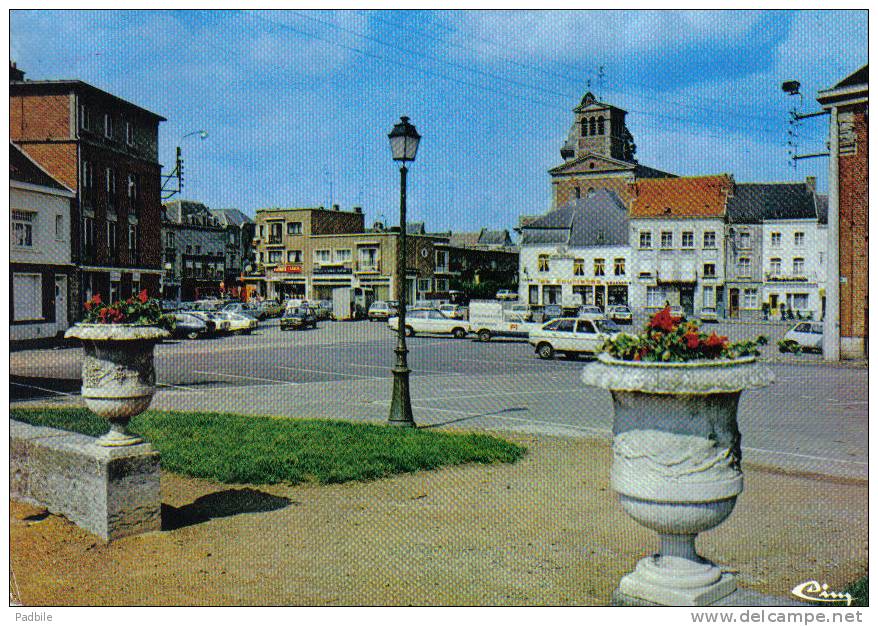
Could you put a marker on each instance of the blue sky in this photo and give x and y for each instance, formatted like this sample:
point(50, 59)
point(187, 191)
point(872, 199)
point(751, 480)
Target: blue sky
point(298, 104)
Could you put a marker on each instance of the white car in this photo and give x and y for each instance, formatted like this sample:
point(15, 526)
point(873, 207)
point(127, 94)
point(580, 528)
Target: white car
point(453, 310)
point(430, 321)
point(708, 314)
point(237, 323)
point(506, 294)
point(808, 335)
point(571, 336)
point(619, 313)
point(589, 311)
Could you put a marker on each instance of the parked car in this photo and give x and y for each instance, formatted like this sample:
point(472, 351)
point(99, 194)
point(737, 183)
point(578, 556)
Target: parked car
point(297, 319)
point(572, 336)
point(381, 310)
point(589, 310)
point(238, 322)
point(270, 308)
point(552, 312)
point(323, 309)
point(189, 326)
point(489, 318)
point(620, 314)
point(243, 308)
point(806, 335)
point(430, 321)
point(506, 294)
point(169, 305)
point(214, 325)
point(708, 314)
point(454, 311)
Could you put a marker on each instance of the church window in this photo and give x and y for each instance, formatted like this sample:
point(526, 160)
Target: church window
point(601, 125)
point(592, 127)
point(584, 128)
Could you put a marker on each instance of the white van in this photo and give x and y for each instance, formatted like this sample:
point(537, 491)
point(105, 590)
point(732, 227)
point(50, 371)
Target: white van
point(489, 318)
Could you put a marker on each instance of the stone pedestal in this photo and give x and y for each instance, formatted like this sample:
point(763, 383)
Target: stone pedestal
point(111, 492)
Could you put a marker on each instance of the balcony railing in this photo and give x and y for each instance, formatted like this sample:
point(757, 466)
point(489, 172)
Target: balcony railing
point(275, 240)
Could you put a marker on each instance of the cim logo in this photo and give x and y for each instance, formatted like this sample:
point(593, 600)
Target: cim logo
point(813, 591)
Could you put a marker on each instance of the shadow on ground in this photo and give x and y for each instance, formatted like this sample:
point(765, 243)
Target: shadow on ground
point(32, 387)
point(221, 504)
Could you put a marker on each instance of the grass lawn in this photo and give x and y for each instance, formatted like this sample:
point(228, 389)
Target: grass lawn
point(232, 448)
point(860, 591)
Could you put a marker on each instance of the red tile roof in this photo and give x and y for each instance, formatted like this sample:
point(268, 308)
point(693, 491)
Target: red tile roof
point(687, 196)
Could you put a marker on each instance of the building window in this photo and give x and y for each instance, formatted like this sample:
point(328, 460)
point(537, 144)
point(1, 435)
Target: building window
point(710, 270)
point(583, 128)
point(577, 192)
point(775, 240)
point(108, 125)
point(598, 267)
point(749, 299)
point(322, 256)
point(800, 301)
point(423, 285)
point(132, 188)
point(110, 186)
point(645, 239)
point(441, 260)
point(84, 117)
point(88, 179)
point(274, 256)
point(442, 284)
point(294, 256)
point(261, 231)
point(710, 239)
point(169, 239)
point(708, 297)
point(533, 294)
point(543, 263)
point(667, 239)
point(197, 249)
point(368, 259)
point(798, 266)
point(59, 227)
point(551, 294)
point(799, 239)
point(23, 228)
point(129, 133)
point(579, 267)
point(275, 233)
point(592, 126)
point(112, 244)
point(132, 243)
point(655, 296)
point(774, 266)
point(188, 249)
point(744, 240)
point(27, 296)
point(343, 255)
point(688, 239)
point(294, 228)
point(115, 290)
point(600, 125)
point(619, 267)
point(744, 266)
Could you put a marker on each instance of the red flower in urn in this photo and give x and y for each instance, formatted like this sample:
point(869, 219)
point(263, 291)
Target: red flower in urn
point(668, 339)
point(139, 311)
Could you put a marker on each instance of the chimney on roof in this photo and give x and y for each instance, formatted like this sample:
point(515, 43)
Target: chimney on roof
point(14, 72)
point(811, 182)
point(335, 207)
point(358, 209)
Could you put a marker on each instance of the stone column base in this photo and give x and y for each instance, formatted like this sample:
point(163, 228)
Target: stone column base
point(675, 581)
point(112, 492)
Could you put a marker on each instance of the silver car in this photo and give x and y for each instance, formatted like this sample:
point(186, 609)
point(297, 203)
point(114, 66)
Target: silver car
point(806, 335)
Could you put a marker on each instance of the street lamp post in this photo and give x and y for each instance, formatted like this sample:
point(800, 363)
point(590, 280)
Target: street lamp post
point(404, 139)
point(177, 173)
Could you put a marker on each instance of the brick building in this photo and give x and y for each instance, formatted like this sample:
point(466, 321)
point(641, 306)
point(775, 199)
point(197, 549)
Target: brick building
point(598, 154)
point(104, 149)
point(847, 285)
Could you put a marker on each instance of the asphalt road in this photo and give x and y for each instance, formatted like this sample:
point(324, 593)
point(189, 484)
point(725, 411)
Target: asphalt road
point(813, 419)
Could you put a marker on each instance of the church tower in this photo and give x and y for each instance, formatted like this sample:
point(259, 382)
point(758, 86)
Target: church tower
point(599, 129)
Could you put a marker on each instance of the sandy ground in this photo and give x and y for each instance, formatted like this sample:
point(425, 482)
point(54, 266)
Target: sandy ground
point(544, 531)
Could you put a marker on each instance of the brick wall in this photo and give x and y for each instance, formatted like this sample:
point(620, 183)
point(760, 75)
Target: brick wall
point(39, 117)
point(853, 225)
point(336, 222)
point(564, 189)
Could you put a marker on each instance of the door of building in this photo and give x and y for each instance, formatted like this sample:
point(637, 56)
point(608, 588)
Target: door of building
point(599, 299)
point(734, 302)
point(687, 300)
point(61, 322)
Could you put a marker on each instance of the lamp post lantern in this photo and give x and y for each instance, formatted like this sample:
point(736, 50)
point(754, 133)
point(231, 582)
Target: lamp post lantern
point(404, 139)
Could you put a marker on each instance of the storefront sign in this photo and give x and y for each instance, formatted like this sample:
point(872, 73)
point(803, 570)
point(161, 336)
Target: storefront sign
point(332, 270)
point(288, 269)
point(580, 282)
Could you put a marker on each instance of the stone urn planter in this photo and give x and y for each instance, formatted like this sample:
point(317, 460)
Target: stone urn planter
point(677, 464)
point(118, 376)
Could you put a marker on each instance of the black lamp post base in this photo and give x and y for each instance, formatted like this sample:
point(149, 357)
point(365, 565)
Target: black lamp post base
point(400, 402)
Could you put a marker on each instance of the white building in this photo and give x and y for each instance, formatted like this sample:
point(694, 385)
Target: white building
point(676, 234)
point(577, 253)
point(41, 271)
point(795, 266)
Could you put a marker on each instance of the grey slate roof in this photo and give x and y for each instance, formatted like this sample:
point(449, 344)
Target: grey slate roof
point(753, 203)
point(231, 217)
point(600, 219)
point(25, 170)
point(822, 208)
point(415, 228)
point(494, 238)
point(860, 77)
